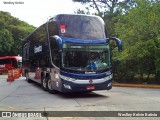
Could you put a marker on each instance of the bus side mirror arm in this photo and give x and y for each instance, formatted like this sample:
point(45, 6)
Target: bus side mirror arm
point(118, 42)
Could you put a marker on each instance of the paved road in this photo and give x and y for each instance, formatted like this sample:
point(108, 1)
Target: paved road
point(23, 96)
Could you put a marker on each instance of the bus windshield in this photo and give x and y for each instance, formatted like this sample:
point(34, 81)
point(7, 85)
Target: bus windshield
point(85, 58)
point(81, 27)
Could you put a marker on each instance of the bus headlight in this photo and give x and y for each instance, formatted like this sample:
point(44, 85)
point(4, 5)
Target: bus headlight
point(109, 84)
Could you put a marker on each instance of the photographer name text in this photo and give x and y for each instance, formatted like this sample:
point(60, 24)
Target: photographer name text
point(13, 2)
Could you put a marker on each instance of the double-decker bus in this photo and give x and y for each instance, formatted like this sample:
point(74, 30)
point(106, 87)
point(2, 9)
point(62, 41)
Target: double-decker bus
point(69, 53)
point(7, 62)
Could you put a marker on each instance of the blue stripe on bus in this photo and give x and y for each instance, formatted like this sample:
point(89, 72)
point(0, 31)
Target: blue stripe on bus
point(85, 76)
point(81, 41)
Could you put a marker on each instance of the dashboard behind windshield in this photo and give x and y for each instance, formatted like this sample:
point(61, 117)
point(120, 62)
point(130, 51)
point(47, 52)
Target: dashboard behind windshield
point(85, 58)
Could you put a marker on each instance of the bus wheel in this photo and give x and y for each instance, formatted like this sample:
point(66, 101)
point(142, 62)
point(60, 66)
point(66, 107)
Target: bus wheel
point(43, 83)
point(49, 86)
point(27, 78)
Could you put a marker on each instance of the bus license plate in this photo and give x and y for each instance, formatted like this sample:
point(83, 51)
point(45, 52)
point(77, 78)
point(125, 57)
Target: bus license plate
point(90, 87)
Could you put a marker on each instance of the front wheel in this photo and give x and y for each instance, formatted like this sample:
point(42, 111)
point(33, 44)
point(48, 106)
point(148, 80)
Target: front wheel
point(50, 87)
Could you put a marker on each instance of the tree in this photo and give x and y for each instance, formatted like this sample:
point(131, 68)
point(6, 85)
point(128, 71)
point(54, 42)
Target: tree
point(6, 41)
point(12, 31)
point(139, 30)
point(101, 6)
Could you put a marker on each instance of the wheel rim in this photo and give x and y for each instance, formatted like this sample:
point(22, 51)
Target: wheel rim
point(44, 83)
point(49, 84)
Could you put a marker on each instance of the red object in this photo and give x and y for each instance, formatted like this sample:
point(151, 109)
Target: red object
point(38, 73)
point(90, 87)
point(16, 73)
point(7, 62)
point(63, 28)
point(10, 75)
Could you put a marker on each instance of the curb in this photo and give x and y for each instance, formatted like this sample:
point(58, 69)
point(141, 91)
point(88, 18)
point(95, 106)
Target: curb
point(137, 86)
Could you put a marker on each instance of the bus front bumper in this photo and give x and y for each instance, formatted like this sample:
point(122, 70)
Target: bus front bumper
point(68, 86)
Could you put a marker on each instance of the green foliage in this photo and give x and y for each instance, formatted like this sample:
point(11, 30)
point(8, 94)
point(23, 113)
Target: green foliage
point(157, 54)
point(6, 41)
point(139, 29)
point(12, 31)
point(102, 7)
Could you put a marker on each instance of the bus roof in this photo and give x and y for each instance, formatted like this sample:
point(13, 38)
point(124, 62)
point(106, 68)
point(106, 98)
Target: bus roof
point(7, 57)
point(79, 15)
point(81, 26)
point(59, 18)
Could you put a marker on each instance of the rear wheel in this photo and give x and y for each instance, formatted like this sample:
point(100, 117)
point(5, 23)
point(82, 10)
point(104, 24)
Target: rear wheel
point(43, 83)
point(50, 87)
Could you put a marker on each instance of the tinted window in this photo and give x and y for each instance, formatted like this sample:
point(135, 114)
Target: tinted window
point(44, 61)
point(9, 61)
point(53, 27)
point(25, 51)
point(5, 61)
point(39, 35)
point(81, 26)
point(54, 52)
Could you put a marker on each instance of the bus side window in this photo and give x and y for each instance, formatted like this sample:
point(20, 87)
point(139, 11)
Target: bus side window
point(43, 62)
point(53, 28)
point(25, 53)
point(55, 52)
point(34, 63)
point(47, 61)
point(14, 63)
point(56, 58)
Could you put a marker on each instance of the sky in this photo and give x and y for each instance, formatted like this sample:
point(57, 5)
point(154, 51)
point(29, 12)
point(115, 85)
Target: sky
point(37, 12)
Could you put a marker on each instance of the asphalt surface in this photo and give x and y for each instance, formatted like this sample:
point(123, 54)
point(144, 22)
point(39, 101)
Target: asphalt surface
point(22, 96)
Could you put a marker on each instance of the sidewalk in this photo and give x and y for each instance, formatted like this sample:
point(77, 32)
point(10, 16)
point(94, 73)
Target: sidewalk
point(136, 85)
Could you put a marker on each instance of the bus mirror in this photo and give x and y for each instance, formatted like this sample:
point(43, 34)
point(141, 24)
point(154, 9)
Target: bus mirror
point(58, 40)
point(118, 42)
